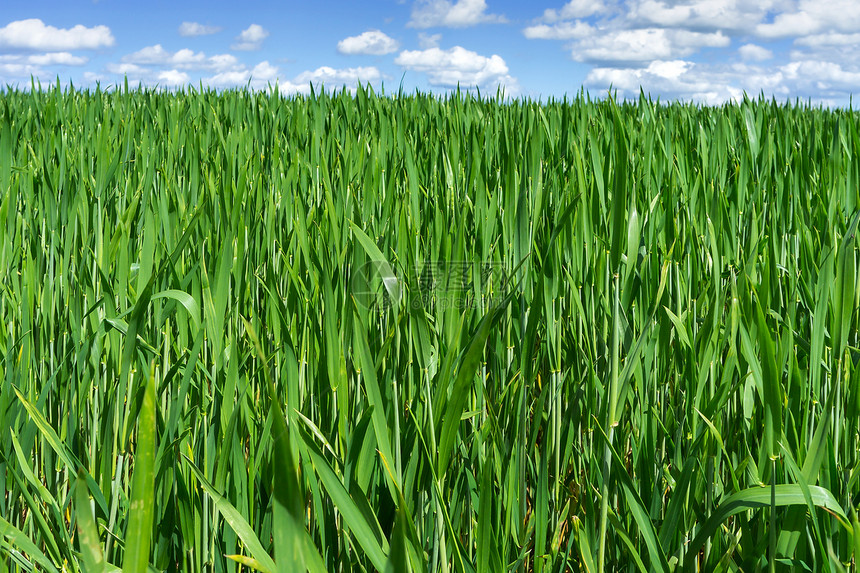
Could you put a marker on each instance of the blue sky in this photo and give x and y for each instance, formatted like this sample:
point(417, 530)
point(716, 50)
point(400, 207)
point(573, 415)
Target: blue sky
point(709, 51)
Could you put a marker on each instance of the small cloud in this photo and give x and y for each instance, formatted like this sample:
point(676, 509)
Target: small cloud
point(372, 42)
point(93, 77)
point(573, 9)
point(125, 69)
point(786, 25)
point(754, 53)
point(259, 77)
point(644, 45)
point(829, 39)
point(57, 58)
point(457, 66)
point(334, 77)
point(446, 14)
point(33, 34)
point(190, 29)
point(331, 78)
point(427, 41)
point(251, 38)
point(49, 59)
point(173, 77)
point(561, 31)
point(184, 59)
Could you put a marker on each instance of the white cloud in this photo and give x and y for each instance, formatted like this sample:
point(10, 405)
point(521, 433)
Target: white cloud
point(223, 61)
point(189, 29)
point(251, 38)
point(126, 69)
point(184, 59)
point(812, 17)
point(330, 78)
point(559, 31)
point(644, 45)
point(33, 34)
point(335, 78)
point(173, 78)
point(830, 39)
point(49, 59)
point(755, 53)
point(459, 14)
point(426, 40)
point(457, 66)
point(57, 58)
point(819, 80)
point(785, 25)
point(734, 15)
point(259, 77)
point(372, 42)
point(821, 75)
point(265, 75)
point(93, 77)
point(674, 78)
point(18, 70)
point(573, 9)
point(159, 56)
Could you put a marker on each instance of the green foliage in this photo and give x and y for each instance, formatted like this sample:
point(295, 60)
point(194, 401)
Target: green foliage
point(415, 333)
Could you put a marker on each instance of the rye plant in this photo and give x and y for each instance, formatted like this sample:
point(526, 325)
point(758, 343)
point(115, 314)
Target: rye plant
point(358, 331)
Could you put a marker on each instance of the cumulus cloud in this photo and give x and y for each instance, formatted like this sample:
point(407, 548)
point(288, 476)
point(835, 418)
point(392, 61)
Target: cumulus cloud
point(426, 40)
point(676, 77)
point(184, 59)
point(726, 15)
point(125, 69)
point(812, 17)
point(459, 14)
point(830, 39)
point(33, 34)
point(822, 75)
point(189, 29)
point(251, 38)
point(560, 31)
point(49, 59)
point(457, 66)
point(818, 80)
point(18, 70)
point(173, 78)
point(329, 78)
point(754, 53)
point(258, 77)
point(372, 42)
point(644, 45)
point(333, 77)
point(22, 67)
point(573, 9)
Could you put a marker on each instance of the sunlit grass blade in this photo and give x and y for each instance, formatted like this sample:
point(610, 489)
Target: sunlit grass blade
point(238, 523)
point(138, 533)
point(91, 547)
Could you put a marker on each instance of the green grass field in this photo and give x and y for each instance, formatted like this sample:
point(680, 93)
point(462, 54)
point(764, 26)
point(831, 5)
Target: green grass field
point(356, 332)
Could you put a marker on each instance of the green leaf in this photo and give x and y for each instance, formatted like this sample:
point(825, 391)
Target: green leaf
point(757, 498)
point(462, 384)
point(17, 539)
point(771, 385)
point(91, 548)
point(352, 515)
point(236, 521)
point(382, 266)
point(186, 300)
point(141, 513)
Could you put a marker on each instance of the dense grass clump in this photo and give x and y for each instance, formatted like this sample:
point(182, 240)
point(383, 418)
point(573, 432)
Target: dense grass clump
point(360, 332)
